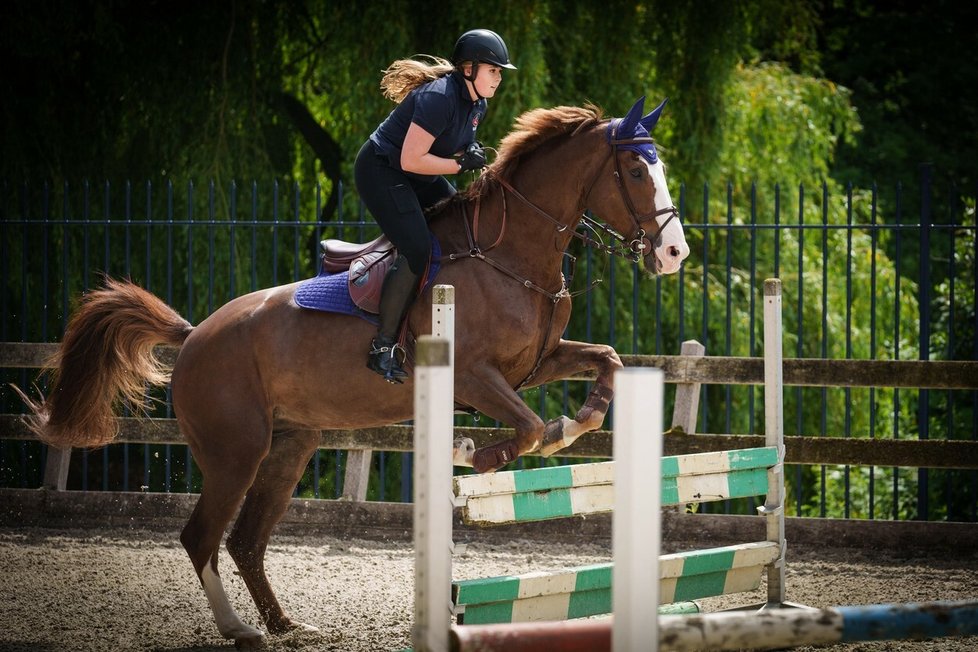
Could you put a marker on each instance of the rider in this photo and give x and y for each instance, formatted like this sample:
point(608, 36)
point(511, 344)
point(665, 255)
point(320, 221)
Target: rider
point(431, 132)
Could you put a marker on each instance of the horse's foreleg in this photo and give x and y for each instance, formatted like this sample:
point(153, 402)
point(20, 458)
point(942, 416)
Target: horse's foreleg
point(265, 504)
point(568, 359)
point(488, 392)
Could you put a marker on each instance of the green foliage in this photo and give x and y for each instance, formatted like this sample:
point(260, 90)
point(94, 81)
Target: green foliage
point(782, 127)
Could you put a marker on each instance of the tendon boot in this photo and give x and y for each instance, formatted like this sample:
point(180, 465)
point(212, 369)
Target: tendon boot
point(397, 295)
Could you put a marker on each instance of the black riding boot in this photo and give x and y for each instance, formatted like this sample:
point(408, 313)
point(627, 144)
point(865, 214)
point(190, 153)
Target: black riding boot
point(400, 288)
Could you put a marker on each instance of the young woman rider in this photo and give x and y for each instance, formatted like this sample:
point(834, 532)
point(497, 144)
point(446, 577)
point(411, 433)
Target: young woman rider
point(398, 172)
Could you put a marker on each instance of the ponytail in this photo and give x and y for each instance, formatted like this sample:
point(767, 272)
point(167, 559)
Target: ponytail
point(404, 75)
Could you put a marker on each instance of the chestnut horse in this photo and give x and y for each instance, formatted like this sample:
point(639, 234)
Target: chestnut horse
point(255, 383)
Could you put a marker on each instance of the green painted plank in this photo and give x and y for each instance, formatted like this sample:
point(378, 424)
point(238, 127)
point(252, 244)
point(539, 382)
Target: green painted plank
point(669, 493)
point(747, 483)
point(553, 477)
point(596, 576)
point(562, 477)
point(588, 578)
point(700, 586)
point(487, 614)
point(752, 458)
point(589, 603)
point(541, 505)
point(701, 562)
point(489, 589)
point(670, 466)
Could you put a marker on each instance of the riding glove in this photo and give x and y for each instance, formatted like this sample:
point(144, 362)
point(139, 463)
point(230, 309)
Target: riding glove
point(473, 158)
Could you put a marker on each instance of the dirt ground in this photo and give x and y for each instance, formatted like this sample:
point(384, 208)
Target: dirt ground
point(122, 589)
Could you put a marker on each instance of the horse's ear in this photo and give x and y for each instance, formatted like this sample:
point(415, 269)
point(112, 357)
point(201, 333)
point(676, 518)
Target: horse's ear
point(630, 121)
point(649, 121)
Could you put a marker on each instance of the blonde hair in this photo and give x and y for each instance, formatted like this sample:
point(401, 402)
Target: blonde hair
point(404, 75)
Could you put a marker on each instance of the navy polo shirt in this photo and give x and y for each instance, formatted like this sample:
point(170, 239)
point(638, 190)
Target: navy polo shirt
point(443, 108)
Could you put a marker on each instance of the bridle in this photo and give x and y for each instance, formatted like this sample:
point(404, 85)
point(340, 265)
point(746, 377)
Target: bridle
point(630, 248)
point(638, 243)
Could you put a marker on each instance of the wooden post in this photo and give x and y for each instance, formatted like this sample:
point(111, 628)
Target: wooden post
point(773, 507)
point(56, 468)
point(433, 429)
point(687, 405)
point(636, 525)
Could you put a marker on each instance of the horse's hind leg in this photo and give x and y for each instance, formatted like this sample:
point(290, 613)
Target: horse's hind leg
point(228, 473)
point(264, 506)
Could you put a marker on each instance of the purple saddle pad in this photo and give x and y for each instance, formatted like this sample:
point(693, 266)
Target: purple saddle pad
point(331, 292)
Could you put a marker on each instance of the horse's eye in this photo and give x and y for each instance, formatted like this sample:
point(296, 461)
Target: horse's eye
point(636, 172)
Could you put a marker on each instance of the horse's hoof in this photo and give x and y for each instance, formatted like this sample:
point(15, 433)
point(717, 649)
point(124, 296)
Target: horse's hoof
point(290, 627)
point(558, 434)
point(463, 450)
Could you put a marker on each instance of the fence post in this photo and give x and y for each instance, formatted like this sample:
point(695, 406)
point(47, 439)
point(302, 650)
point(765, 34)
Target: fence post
point(56, 468)
point(773, 508)
point(356, 475)
point(687, 405)
point(923, 414)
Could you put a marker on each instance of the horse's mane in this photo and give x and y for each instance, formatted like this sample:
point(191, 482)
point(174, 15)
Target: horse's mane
point(532, 129)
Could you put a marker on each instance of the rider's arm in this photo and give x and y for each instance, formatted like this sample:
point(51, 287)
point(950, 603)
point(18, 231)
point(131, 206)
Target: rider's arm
point(416, 156)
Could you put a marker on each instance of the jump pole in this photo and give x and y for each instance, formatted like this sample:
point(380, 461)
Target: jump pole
point(736, 630)
point(434, 402)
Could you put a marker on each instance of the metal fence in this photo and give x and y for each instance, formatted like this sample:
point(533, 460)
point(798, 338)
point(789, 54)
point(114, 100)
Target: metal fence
point(867, 273)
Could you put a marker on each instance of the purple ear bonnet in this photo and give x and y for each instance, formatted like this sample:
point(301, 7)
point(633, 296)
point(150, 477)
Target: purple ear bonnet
point(634, 125)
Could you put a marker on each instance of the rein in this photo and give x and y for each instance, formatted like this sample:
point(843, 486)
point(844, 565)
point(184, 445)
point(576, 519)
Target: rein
point(630, 249)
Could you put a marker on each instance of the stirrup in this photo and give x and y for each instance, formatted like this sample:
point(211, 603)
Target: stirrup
point(383, 360)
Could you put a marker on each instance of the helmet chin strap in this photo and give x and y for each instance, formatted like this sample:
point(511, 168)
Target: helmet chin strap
point(471, 78)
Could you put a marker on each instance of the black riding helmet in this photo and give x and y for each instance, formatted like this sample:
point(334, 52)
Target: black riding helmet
point(481, 46)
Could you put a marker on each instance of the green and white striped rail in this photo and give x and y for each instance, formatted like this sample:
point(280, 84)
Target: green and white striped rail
point(586, 591)
point(562, 491)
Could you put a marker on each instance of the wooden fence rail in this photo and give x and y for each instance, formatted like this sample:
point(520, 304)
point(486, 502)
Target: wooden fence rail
point(688, 371)
point(711, 370)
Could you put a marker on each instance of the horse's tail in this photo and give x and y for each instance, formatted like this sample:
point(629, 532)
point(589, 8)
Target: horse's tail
point(107, 355)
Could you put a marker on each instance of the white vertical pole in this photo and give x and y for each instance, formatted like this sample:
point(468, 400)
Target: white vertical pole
point(635, 531)
point(773, 507)
point(433, 408)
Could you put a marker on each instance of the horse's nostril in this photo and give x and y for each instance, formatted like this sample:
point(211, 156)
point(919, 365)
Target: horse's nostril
point(674, 252)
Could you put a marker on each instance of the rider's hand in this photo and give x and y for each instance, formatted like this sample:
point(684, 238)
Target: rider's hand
point(473, 158)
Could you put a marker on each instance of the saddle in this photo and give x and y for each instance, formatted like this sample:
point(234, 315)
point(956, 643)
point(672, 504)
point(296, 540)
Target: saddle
point(367, 263)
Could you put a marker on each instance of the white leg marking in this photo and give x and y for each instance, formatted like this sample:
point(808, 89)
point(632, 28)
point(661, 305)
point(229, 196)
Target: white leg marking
point(226, 618)
point(463, 449)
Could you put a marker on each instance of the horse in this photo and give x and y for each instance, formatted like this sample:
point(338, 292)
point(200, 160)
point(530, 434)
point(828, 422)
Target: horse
point(255, 382)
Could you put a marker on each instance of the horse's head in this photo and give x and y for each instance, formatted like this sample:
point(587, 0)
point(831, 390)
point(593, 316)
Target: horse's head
point(634, 197)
